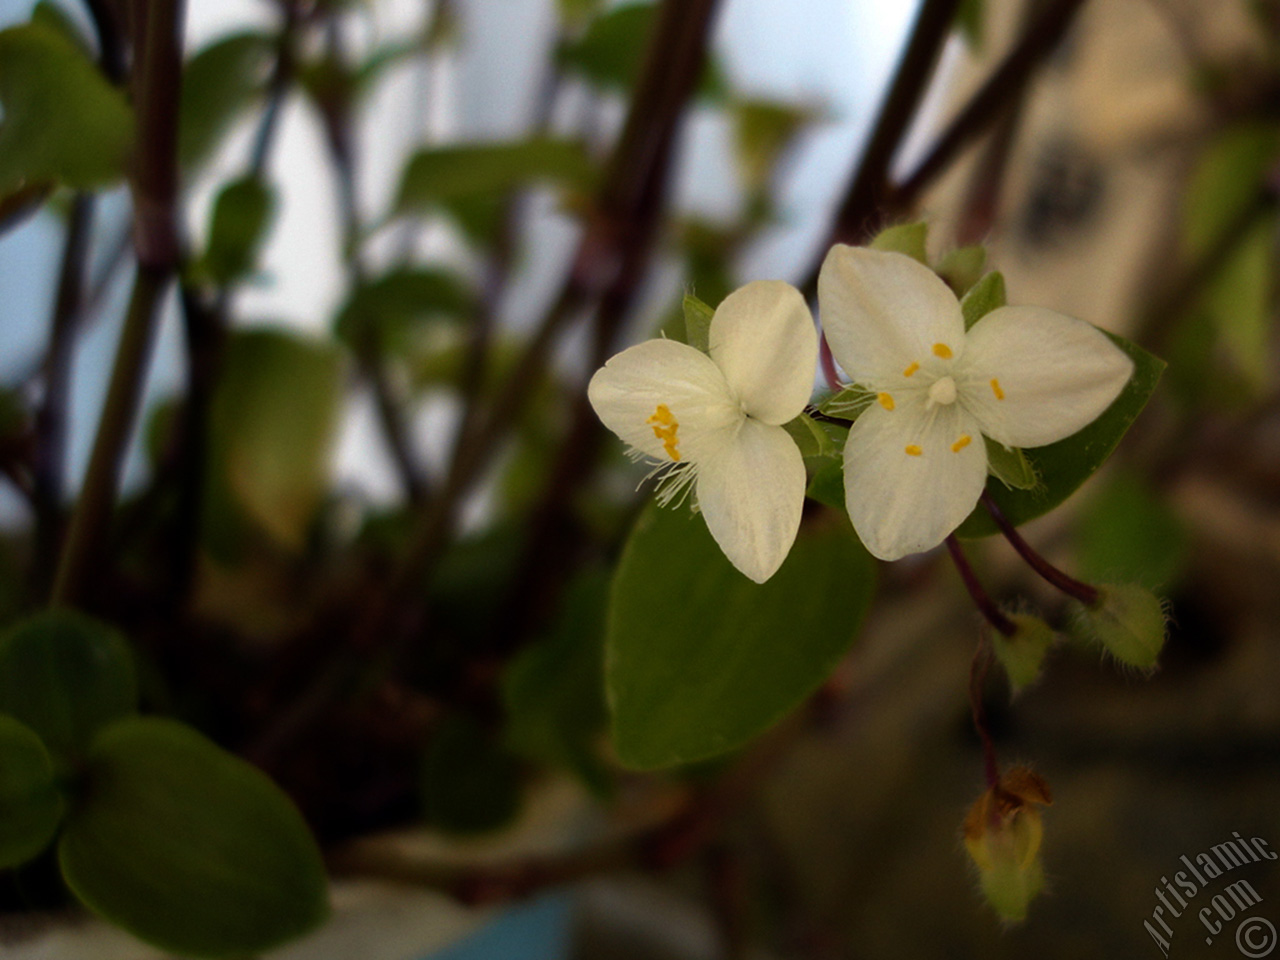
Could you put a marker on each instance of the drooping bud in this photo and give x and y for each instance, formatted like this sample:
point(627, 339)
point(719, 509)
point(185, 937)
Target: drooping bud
point(1023, 653)
point(1002, 833)
point(1129, 621)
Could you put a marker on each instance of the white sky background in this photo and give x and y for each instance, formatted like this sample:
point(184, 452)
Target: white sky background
point(833, 54)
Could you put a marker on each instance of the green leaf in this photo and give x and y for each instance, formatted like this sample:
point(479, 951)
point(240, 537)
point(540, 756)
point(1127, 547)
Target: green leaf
point(274, 414)
point(848, 403)
point(962, 267)
point(764, 129)
point(456, 178)
point(908, 238)
point(610, 54)
point(1126, 533)
point(1226, 180)
point(62, 120)
point(1010, 466)
point(553, 690)
point(827, 485)
point(984, 296)
point(697, 323)
point(218, 84)
point(55, 17)
point(1063, 466)
point(399, 305)
point(1239, 301)
point(970, 18)
point(241, 215)
point(699, 660)
point(188, 847)
point(470, 784)
point(30, 805)
point(66, 676)
point(813, 438)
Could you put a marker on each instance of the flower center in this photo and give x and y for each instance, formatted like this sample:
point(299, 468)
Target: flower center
point(942, 391)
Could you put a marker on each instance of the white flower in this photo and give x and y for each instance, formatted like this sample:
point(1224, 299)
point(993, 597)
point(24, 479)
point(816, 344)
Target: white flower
point(915, 462)
point(716, 420)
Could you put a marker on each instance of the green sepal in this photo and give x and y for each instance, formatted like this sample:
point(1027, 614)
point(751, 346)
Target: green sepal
point(906, 238)
point(984, 296)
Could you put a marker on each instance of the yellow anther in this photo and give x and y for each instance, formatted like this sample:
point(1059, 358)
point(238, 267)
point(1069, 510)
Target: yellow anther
point(960, 444)
point(886, 401)
point(665, 428)
point(911, 369)
point(942, 350)
point(913, 450)
point(662, 414)
point(995, 388)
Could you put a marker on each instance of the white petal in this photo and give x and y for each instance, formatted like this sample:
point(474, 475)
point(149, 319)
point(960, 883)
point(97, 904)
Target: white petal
point(910, 477)
point(647, 390)
point(763, 339)
point(883, 311)
point(752, 495)
point(1056, 375)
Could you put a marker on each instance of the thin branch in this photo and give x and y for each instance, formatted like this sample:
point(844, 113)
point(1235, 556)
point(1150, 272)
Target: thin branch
point(860, 212)
point(1005, 85)
point(336, 112)
point(51, 417)
point(673, 65)
point(155, 183)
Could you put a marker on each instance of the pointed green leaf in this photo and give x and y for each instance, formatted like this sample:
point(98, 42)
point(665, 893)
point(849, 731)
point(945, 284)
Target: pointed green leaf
point(1226, 180)
point(274, 415)
point(218, 84)
point(962, 267)
point(30, 805)
point(400, 305)
point(827, 485)
point(66, 676)
point(445, 176)
point(848, 403)
point(62, 120)
point(699, 660)
point(1063, 466)
point(1127, 533)
point(908, 238)
point(984, 296)
point(1010, 466)
point(188, 847)
point(1240, 301)
point(610, 54)
point(241, 215)
point(764, 130)
point(697, 323)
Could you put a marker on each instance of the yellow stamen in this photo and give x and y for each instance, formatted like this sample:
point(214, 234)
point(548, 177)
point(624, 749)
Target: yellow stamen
point(886, 401)
point(913, 450)
point(665, 428)
point(942, 350)
point(995, 388)
point(911, 369)
point(960, 444)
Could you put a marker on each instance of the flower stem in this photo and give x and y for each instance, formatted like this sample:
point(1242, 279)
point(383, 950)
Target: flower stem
point(828, 360)
point(1085, 593)
point(981, 599)
point(977, 680)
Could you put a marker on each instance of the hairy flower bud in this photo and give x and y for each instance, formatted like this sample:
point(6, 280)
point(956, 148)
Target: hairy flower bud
point(1129, 621)
point(1002, 833)
point(1023, 653)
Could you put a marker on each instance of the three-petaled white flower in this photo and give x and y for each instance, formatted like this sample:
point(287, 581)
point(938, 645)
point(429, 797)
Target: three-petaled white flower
point(915, 462)
point(716, 420)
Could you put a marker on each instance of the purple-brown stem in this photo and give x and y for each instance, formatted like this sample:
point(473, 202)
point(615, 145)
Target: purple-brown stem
point(1085, 593)
point(981, 599)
